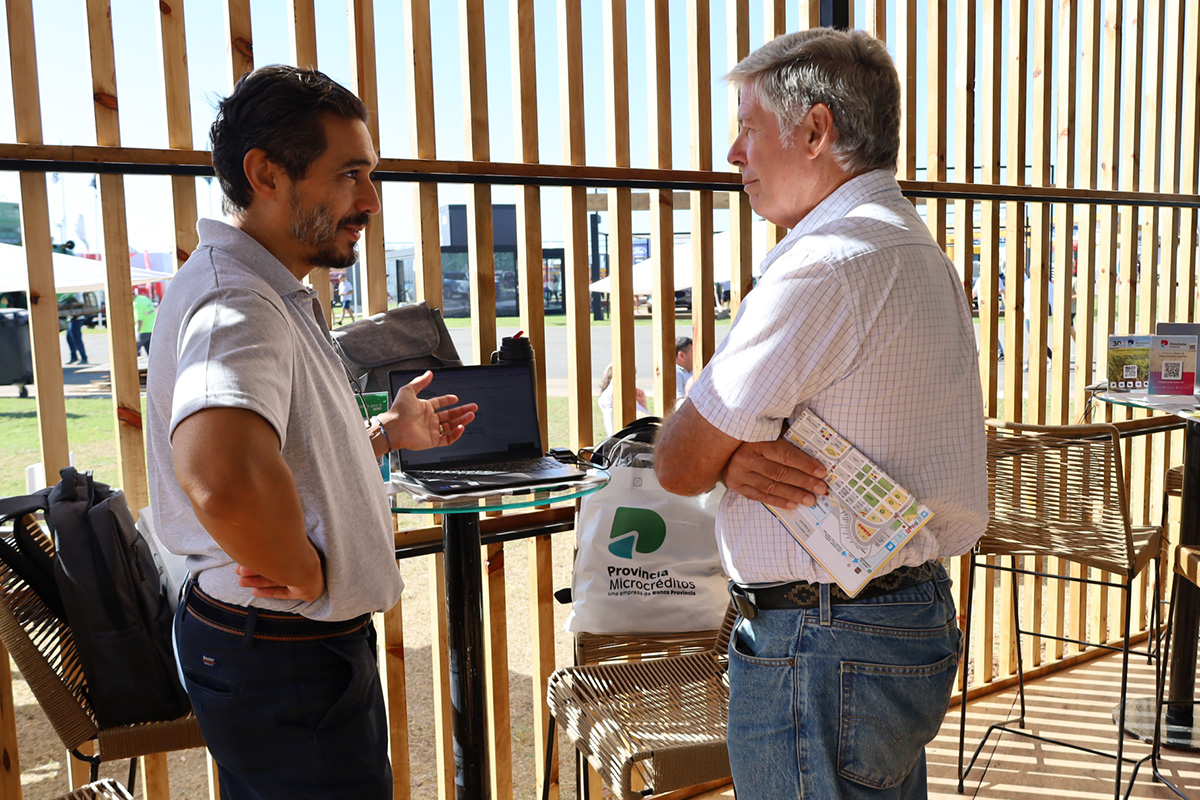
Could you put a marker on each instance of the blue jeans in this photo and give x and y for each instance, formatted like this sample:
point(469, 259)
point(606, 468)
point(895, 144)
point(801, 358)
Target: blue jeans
point(301, 720)
point(839, 701)
point(75, 339)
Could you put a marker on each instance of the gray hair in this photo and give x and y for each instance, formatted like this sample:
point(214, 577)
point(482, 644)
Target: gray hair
point(850, 72)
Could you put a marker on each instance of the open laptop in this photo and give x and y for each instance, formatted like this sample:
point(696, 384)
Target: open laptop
point(502, 448)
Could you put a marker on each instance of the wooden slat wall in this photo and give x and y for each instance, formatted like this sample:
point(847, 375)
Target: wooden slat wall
point(662, 201)
point(1119, 112)
point(738, 22)
point(700, 115)
point(620, 215)
point(426, 232)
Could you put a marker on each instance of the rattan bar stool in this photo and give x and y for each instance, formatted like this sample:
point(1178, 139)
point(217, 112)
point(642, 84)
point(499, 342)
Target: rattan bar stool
point(44, 650)
point(1059, 492)
point(106, 789)
point(647, 726)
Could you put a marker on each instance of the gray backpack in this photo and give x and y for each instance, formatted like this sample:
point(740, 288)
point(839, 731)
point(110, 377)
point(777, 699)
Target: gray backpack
point(104, 583)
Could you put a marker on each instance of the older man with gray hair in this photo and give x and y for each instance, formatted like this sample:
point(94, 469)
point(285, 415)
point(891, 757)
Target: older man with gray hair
point(861, 318)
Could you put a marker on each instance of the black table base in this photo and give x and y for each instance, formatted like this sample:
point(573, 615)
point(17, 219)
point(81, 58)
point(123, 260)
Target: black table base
point(464, 617)
point(1139, 721)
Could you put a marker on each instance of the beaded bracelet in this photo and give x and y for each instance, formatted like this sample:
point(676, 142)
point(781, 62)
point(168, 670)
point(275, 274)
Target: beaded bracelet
point(387, 439)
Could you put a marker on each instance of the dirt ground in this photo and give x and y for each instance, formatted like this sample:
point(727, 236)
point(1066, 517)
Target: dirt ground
point(43, 760)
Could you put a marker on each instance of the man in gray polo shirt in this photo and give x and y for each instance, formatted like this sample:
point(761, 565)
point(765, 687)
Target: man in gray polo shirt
point(261, 470)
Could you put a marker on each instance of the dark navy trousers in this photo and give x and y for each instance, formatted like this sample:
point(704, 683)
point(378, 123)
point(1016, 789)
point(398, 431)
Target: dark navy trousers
point(288, 719)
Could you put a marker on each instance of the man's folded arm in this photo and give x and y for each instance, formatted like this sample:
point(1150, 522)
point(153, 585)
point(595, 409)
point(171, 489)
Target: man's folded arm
point(228, 462)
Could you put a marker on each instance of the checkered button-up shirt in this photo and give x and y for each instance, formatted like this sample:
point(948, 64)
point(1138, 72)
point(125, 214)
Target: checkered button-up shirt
point(860, 317)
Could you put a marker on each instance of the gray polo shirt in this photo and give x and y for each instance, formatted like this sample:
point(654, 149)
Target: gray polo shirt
point(237, 330)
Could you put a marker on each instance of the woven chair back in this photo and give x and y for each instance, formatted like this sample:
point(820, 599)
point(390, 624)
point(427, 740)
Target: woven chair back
point(1058, 491)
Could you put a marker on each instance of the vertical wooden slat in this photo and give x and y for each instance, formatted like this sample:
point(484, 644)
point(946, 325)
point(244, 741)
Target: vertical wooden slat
point(964, 210)
point(1062, 413)
point(742, 252)
point(532, 300)
point(935, 107)
point(479, 199)
point(391, 666)
point(1042, 111)
point(876, 18)
point(440, 663)
point(122, 339)
point(1189, 162)
point(700, 114)
point(481, 258)
point(1171, 133)
point(906, 65)
point(155, 778)
point(1014, 230)
point(10, 761)
point(810, 14)
point(1110, 140)
point(620, 215)
point(173, 43)
point(372, 269)
point(989, 210)
point(427, 252)
point(964, 162)
point(35, 234)
point(302, 34)
point(1130, 171)
point(662, 201)
point(774, 24)
point(575, 244)
point(240, 44)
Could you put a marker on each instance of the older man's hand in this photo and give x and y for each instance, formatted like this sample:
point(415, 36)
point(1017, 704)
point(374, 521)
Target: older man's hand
point(776, 473)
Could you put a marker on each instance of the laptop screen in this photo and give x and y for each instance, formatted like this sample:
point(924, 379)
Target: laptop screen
point(505, 426)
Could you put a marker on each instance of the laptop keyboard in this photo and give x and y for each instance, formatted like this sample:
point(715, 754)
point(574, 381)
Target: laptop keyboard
point(495, 468)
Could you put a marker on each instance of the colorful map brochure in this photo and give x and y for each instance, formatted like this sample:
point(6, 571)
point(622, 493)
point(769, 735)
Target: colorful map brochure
point(1128, 363)
point(863, 521)
point(1172, 364)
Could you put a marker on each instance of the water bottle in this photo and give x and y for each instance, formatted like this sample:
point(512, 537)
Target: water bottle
point(513, 349)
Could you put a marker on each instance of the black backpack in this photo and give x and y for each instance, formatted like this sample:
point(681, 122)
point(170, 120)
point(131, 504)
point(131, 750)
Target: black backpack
point(103, 582)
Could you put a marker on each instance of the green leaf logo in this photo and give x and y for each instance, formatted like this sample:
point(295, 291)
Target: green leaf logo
point(636, 529)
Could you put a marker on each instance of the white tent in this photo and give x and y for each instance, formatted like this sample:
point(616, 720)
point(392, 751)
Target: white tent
point(643, 271)
point(71, 273)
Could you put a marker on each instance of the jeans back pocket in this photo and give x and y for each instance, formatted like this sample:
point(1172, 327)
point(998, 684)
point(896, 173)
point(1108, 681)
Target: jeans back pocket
point(889, 713)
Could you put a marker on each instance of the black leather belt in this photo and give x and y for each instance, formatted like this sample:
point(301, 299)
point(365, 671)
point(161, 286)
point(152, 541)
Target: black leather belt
point(254, 623)
point(802, 594)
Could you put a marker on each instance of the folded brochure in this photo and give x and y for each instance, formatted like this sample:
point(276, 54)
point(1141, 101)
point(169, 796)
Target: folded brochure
point(863, 521)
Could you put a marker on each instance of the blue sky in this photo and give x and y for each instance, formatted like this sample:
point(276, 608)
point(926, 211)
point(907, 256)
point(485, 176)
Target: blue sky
point(65, 88)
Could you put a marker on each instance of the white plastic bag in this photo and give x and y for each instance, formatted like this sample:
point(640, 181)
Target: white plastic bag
point(646, 560)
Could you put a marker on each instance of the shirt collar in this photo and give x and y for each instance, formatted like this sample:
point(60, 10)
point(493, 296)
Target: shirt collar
point(867, 187)
point(243, 247)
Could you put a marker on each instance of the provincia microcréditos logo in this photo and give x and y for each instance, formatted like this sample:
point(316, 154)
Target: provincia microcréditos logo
point(641, 531)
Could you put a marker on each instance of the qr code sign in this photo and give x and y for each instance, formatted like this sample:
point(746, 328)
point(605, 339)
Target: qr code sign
point(1172, 370)
point(1130, 371)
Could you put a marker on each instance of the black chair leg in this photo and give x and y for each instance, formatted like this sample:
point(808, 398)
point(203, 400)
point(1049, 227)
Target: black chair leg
point(1016, 604)
point(1128, 589)
point(962, 709)
point(549, 759)
point(132, 773)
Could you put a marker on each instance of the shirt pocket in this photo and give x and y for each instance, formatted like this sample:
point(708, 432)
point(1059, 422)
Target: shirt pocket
point(889, 713)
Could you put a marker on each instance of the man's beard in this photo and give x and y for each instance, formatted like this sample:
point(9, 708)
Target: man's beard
point(316, 227)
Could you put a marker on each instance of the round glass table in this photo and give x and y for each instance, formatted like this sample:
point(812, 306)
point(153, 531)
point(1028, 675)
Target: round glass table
point(464, 609)
point(1179, 729)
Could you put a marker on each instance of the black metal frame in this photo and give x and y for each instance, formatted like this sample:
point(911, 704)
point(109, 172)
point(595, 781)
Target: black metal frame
point(1016, 725)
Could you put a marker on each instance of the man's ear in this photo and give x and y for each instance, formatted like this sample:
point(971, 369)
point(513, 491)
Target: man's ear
point(819, 132)
point(265, 176)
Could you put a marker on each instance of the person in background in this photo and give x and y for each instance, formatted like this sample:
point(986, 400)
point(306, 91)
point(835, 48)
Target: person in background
point(605, 400)
point(860, 318)
point(261, 470)
point(143, 321)
point(683, 367)
point(346, 296)
point(75, 334)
